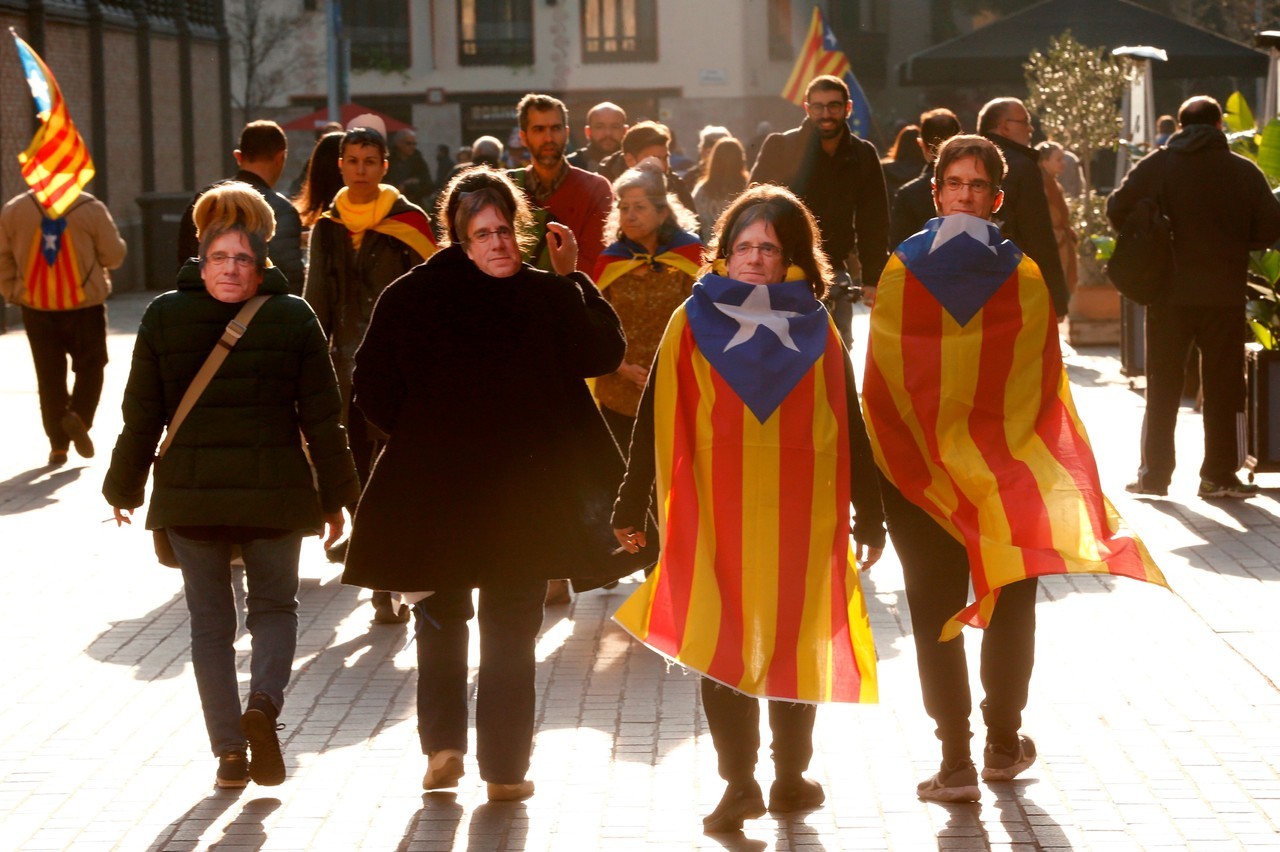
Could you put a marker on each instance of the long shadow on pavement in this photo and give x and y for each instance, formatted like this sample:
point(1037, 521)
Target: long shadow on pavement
point(186, 832)
point(34, 489)
point(498, 827)
point(434, 825)
point(1247, 515)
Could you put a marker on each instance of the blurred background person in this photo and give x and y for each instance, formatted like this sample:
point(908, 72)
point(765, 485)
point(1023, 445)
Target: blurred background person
point(322, 180)
point(725, 178)
point(1052, 165)
point(407, 171)
point(646, 273)
point(236, 473)
point(606, 125)
point(904, 160)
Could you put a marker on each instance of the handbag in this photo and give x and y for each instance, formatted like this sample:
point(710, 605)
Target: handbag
point(1142, 263)
point(230, 337)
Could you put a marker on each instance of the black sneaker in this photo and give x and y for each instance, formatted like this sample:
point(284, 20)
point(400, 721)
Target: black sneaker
point(1003, 763)
point(259, 726)
point(741, 801)
point(1228, 488)
point(233, 770)
point(79, 433)
point(1137, 487)
point(951, 783)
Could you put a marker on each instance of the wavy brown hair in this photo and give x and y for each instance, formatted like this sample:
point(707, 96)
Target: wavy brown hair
point(796, 228)
point(475, 189)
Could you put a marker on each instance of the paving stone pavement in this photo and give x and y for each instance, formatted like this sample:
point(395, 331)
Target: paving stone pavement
point(1156, 714)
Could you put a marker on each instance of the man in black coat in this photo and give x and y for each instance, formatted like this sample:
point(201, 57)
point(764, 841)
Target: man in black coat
point(838, 176)
point(406, 170)
point(260, 155)
point(1024, 219)
point(1221, 208)
point(913, 203)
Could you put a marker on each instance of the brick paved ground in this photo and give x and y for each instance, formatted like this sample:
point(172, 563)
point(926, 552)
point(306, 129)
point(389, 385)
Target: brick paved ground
point(1157, 714)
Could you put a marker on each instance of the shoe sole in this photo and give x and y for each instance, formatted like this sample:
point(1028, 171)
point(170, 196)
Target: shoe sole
point(226, 784)
point(991, 773)
point(781, 805)
point(733, 822)
point(1233, 495)
point(266, 763)
point(506, 793)
point(79, 436)
point(952, 795)
point(448, 775)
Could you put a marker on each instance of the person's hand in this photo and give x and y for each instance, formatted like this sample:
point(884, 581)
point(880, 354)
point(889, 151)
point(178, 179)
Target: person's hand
point(335, 521)
point(563, 247)
point(122, 515)
point(630, 540)
point(867, 555)
point(636, 374)
point(869, 295)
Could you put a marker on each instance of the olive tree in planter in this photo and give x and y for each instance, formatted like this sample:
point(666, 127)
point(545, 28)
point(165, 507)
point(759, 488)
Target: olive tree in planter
point(1076, 92)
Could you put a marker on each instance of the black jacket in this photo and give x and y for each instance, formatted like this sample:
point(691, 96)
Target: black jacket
point(1220, 206)
point(912, 207)
point(838, 189)
point(238, 459)
point(285, 248)
point(498, 465)
point(1024, 218)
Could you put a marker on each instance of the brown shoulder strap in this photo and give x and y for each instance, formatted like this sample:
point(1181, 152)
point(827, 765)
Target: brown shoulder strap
point(230, 337)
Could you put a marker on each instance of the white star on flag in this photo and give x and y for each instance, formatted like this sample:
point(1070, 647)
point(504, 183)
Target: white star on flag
point(755, 312)
point(962, 223)
point(51, 242)
point(39, 90)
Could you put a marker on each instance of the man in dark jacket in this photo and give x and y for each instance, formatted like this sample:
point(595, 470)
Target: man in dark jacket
point(606, 125)
point(1221, 208)
point(913, 203)
point(406, 170)
point(1024, 219)
point(642, 141)
point(261, 154)
point(838, 176)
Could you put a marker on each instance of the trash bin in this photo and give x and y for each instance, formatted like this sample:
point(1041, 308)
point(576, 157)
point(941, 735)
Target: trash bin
point(161, 218)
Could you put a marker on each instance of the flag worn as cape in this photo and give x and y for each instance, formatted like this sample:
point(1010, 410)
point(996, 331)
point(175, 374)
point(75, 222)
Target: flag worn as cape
point(684, 252)
point(756, 587)
point(408, 226)
point(52, 275)
point(970, 415)
point(56, 165)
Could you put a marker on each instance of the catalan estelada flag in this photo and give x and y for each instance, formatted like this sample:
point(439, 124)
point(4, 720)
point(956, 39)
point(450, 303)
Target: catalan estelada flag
point(53, 277)
point(411, 228)
point(56, 165)
point(756, 586)
point(970, 415)
point(820, 54)
point(684, 252)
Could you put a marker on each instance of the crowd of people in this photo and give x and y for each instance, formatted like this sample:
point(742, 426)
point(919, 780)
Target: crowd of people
point(522, 383)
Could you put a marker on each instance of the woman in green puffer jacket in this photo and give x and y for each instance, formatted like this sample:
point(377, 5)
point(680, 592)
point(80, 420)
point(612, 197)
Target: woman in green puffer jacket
point(236, 473)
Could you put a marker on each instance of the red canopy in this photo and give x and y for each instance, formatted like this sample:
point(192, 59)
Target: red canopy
point(313, 121)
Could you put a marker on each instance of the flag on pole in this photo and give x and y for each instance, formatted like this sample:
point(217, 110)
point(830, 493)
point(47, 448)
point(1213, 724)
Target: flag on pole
point(56, 165)
point(820, 54)
point(970, 415)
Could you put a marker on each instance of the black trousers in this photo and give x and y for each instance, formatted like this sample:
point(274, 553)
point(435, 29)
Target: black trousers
point(80, 335)
point(734, 720)
point(1219, 334)
point(935, 568)
point(510, 617)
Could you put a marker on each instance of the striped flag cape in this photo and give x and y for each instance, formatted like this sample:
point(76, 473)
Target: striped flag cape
point(970, 415)
point(820, 54)
point(56, 165)
point(53, 275)
point(684, 252)
point(756, 586)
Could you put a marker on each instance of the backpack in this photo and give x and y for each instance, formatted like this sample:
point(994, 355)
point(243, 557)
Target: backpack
point(1142, 263)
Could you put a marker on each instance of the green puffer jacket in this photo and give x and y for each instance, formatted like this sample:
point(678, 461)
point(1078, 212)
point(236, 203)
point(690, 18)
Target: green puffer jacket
point(237, 460)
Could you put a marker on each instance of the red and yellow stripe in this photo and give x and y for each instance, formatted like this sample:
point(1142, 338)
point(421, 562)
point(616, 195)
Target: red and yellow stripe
point(756, 587)
point(976, 425)
point(57, 286)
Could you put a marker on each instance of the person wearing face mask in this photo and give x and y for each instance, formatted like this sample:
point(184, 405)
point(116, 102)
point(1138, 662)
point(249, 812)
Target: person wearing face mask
point(498, 468)
point(235, 473)
point(749, 424)
point(645, 274)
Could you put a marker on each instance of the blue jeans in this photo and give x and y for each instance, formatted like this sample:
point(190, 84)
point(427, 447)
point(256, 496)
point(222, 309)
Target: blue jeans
point(271, 568)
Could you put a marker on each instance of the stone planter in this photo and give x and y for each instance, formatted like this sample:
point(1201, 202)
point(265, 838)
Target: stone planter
point(1093, 315)
point(1262, 410)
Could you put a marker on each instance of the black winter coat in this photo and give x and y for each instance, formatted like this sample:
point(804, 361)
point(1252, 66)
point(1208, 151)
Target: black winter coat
point(237, 460)
point(498, 465)
point(913, 206)
point(1220, 206)
point(839, 189)
point(1024, 218)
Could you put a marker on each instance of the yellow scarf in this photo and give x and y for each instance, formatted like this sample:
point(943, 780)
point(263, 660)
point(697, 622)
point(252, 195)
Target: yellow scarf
point(359, 218)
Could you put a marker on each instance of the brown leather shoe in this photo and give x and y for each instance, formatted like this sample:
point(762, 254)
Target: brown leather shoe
point(511, 792)
point(741, 801)
point(444, 768)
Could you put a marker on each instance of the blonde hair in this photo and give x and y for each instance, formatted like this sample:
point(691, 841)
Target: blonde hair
point(234, 206)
